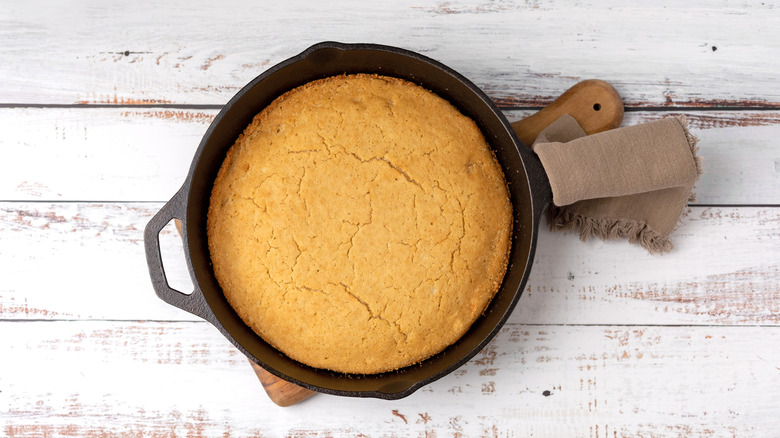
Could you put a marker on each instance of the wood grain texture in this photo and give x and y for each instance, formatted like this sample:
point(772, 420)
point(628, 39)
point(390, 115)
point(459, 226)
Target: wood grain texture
point(692, 54)
point(725, 269)
point(184, 380)
point(280, 391)
point(97, 154)
point(75, 261)
point(137, 154)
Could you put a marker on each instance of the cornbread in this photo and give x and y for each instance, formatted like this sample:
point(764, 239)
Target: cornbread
point(360, 224)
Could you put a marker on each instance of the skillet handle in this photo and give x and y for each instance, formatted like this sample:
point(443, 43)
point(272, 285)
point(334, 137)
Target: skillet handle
point(194, 303)
point(593, 103)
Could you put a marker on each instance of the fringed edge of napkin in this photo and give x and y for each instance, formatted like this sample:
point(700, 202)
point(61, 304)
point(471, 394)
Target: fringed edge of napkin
point(561, 219)
point(608, 229)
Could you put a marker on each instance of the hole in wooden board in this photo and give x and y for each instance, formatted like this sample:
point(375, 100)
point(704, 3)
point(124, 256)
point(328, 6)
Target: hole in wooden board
point(597, 107)
point(174, 263)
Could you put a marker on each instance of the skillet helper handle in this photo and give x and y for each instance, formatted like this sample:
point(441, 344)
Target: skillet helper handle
point(194, 302)
point(593, 103)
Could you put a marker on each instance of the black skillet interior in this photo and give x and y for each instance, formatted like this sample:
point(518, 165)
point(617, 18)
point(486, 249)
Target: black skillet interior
point(327, 59)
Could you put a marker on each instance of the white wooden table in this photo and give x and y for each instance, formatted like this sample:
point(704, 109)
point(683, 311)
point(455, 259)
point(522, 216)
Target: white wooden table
point(102, 105)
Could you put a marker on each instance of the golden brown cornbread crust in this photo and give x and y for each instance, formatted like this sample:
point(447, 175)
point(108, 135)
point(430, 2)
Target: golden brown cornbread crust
point(360, 224)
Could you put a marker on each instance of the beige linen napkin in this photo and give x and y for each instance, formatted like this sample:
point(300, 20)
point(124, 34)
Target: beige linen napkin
point(631, 182)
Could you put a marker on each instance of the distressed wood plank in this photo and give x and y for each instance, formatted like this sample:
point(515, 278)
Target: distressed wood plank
point(97, 154)
point(522, 53)
point(131, 154)
point(725, 270)
point(183, 379)
point(79, 261)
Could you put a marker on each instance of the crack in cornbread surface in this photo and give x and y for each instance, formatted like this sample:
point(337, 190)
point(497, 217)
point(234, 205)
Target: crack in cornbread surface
point(360, 224)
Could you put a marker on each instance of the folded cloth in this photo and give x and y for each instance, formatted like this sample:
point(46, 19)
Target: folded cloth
point(631, 182)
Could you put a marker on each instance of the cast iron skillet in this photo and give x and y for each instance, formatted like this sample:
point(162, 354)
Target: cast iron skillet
point(528, 186)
